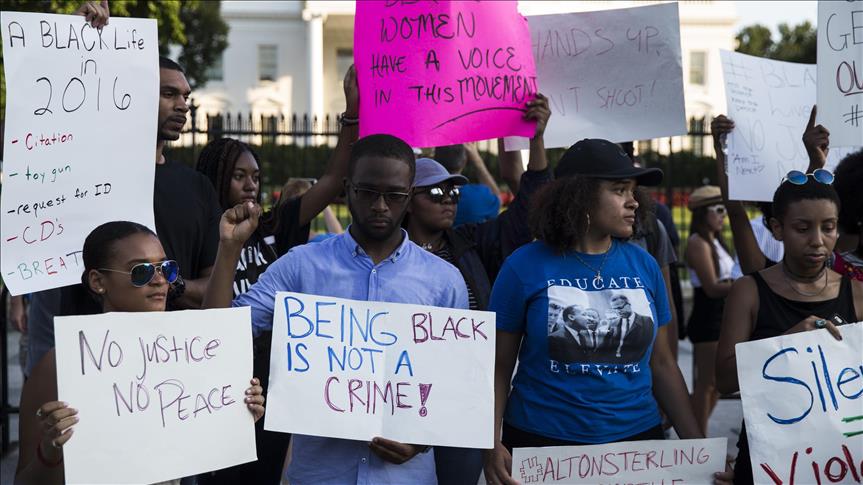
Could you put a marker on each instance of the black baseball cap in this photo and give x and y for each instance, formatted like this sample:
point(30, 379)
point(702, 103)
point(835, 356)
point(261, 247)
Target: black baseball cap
point(602, 159)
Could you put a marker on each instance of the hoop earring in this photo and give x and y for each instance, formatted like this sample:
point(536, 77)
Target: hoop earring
point(588, 224)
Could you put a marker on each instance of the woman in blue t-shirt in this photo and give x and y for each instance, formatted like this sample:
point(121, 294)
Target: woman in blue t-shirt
point(584, 312)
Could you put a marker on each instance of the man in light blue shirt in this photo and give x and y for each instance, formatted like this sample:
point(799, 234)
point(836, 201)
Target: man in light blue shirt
point(373, 260)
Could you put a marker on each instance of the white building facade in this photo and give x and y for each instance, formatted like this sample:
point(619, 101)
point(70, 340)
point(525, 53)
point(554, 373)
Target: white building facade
point(289, 57)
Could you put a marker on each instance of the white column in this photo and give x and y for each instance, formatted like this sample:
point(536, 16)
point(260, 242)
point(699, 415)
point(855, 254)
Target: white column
point(315, 49)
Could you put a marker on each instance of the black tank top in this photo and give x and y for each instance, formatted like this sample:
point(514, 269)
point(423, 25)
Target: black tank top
point(777, 314)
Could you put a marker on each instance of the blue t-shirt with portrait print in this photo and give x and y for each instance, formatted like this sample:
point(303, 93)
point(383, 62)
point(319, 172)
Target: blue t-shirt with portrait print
point(584, 365)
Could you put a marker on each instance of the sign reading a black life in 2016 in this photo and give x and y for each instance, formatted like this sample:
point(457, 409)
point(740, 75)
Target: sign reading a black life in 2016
point(81, 115)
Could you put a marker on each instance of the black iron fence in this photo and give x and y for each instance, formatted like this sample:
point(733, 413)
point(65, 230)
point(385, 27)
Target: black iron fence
point(299, 146)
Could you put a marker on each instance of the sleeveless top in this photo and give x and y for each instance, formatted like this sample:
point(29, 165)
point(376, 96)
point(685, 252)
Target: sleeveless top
point(776, 315)
point(726, 265)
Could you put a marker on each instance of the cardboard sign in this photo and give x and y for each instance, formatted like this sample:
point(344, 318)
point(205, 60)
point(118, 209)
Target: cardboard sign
point(355, 369)
point(81, 115)
point(840, 67)
point(441, 73)
point(159, 394)
point(770, 102)
point(672, 462)
point(612, 74)
point(803, 406)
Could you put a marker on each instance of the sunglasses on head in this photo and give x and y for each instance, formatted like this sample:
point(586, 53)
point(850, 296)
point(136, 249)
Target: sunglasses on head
point(438, 194)
point(820, 175)
point(143, 273)
point(717, 209)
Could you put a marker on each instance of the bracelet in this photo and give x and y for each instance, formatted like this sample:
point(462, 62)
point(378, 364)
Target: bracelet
point(345, 121)
point(44, 461)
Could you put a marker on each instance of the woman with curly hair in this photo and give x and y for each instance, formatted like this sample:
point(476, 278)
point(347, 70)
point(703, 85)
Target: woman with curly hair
point(584, 383)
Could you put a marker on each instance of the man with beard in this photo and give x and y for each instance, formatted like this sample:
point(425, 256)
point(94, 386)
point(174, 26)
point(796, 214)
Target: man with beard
point(372, 260)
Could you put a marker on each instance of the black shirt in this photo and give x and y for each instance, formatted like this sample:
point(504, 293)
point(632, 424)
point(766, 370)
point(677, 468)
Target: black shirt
point(268, 243)
point(187, 213)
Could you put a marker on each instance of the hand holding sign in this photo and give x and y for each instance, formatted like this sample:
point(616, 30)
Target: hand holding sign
point(96, 13)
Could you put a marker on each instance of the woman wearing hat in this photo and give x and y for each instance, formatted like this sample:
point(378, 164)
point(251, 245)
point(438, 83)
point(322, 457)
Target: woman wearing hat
point(477, 250)
point(710, 270)
point(581, 383)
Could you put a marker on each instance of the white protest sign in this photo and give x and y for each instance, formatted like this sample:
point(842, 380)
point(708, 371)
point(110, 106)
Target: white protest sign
point(840, 67)
point(81, 115)
point(355, 370)
point(672, 462)
point(612, 74)
point(159, 394)
point(803, 406)
point(770, 103)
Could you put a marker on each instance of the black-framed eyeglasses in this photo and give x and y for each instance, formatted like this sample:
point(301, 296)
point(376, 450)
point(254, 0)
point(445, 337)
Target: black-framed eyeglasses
point(370, 196)
point(143, 273)
point(820, 175)
point(439, 193)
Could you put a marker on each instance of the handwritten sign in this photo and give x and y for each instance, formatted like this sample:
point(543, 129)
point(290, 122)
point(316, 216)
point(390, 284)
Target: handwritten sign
point(355, 370)
point(159, 394)
point(803, 406)
point(672, 462)
point(612, 74)
point(441, 73)
point(840, 67)
point(81, 112)
point(770, 102)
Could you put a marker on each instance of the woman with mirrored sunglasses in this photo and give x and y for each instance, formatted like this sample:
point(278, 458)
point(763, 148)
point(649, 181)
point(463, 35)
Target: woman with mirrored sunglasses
point(711, 273)
point(126, 270)
point(476, 249)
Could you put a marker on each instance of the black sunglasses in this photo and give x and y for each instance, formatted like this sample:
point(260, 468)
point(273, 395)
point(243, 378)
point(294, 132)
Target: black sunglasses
point(370, 196)
point(143, 273)
point(438, 194)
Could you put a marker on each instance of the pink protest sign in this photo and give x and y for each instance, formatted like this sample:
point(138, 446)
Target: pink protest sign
point(441, 73)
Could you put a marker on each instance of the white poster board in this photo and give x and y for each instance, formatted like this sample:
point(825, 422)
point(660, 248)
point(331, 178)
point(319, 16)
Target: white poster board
point(79, 144)
point(159, 394)
point(803, 406)
point(356, 369)
point(840, 67)
point(770, 103)
point(676, 462)
point(612, 74)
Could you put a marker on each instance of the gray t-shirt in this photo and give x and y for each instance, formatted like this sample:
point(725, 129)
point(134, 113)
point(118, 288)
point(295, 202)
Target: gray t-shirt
point(664, 254)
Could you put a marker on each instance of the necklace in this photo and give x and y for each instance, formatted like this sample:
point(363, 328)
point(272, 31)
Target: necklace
point(598, 271)
point(789, 277)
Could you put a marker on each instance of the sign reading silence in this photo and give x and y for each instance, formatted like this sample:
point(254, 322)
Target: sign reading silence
point(803, 406)
point(355, 370)
point(444, 72)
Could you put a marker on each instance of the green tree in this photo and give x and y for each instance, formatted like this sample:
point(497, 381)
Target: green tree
point(195, 25)
point(795, 44)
